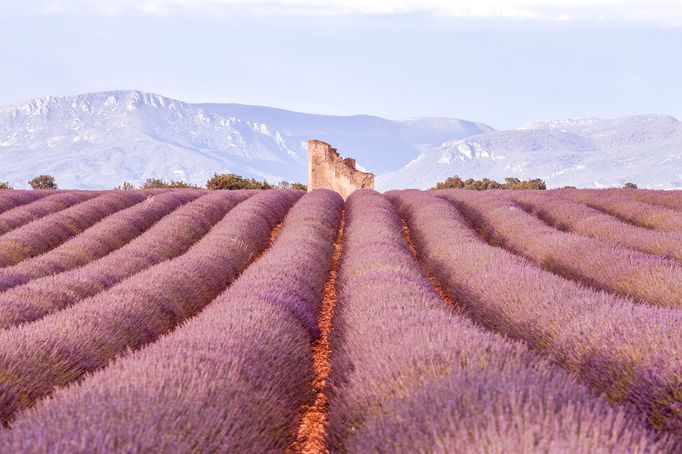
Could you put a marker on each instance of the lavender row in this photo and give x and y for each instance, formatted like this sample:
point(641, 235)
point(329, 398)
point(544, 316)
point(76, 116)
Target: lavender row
point(663, 198)
point(668, 199)
point(622, 205)
point(11, 199)
point(231, 379)
point(170, 237)
point(411, 374)
point(628, 351)
point(570, 216)
point(61, 348)
point(643, 277)
point(23, 214)
point(46, 233)
point(108, 235)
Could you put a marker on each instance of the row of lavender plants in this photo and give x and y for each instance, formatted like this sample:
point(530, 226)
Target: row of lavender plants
point(575, 217)
point(412, 374)
point(170, 237)
point(13, 199)
point(231, 379)
point(23, 214)
point(62, 347)
point(669, 199)
point(46, 233)
point(644, 277)
point(622, 205)
point(630, 352)
point(106, 236)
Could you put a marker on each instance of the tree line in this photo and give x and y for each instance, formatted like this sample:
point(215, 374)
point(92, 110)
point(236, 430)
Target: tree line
point(481, 185)
point(217, 181)
point(509, 183)
point(234, 181)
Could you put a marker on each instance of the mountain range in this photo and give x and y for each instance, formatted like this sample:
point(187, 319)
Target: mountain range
point(98, 140)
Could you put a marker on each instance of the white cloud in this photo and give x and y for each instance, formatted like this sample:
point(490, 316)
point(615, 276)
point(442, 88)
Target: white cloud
point(667, 12)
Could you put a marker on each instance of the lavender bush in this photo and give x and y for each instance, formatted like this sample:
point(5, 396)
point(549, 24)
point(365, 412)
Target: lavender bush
point(108, 342)
point(46, 233)
point(644, 277)
point(167, 239)
point(628, 351)
point(23, 214)
point(64, 346)
point(668, 199)
point(231, 379)
point(410, 374)
point(15, 198)
point(621, 204)
point(112, 233)
point(581, 219)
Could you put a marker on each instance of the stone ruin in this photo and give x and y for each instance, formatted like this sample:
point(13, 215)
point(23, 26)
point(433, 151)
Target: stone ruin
point(326, 169)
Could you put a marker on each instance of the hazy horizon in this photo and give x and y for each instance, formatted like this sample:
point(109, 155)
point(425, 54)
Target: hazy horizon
point(500, 63)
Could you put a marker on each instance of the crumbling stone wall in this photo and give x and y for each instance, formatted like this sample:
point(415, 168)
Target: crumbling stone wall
point(326, 169)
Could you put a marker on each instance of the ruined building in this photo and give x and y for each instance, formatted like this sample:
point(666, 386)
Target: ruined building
point(326, 169)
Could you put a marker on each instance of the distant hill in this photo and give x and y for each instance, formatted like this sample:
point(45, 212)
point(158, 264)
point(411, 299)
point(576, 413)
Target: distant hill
point(98, 140)
point(579, 152)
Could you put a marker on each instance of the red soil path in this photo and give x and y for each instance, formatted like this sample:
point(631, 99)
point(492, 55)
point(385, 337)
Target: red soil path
point(427, 272)
point(312, 431)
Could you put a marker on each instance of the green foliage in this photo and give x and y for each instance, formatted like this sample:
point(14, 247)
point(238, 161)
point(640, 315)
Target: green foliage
point(481, 185)
point(515, 183)
point(158, 183)
point(218, 181)
point(5, 185)
point(629, 186)
point(284, 184)
point(126, 186)
point(43, 182)
point(234, 181)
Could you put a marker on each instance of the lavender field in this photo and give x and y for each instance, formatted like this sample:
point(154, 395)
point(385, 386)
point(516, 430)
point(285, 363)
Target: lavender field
point(450, 321)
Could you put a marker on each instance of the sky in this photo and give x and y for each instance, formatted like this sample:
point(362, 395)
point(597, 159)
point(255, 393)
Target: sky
point(504, 63)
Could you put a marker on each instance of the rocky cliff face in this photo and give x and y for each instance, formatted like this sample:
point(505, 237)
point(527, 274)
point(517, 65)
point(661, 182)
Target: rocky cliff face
point(326, 169)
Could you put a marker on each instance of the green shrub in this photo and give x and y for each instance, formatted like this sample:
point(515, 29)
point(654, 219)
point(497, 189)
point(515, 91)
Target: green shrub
point(515, 183)
point(629, 186)
point(234, 181)
point(481, 185)
point(284, 184)
point(5, 185)
point(43, 182)
point(125, 186)
point(158, 183)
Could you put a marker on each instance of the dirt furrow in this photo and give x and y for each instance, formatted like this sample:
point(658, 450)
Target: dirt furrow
point(311, 434)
